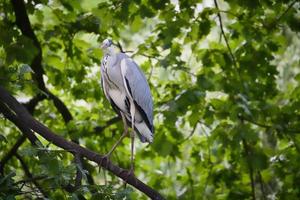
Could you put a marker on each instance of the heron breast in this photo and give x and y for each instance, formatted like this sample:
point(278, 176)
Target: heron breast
point(114, 74)
point(118, 97)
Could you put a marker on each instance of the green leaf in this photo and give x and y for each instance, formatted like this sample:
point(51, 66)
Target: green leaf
point(259, 160)
point(55, 62)
point(29, 151)
point(136, 24)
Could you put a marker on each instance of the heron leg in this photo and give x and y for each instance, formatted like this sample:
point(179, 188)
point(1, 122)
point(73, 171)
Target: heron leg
point(132, 152)
point(121, 138)
point(131, 170)
point(132, 135)
point(124, 134)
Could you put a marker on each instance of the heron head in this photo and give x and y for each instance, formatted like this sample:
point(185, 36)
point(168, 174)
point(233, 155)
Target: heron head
point(106, 43)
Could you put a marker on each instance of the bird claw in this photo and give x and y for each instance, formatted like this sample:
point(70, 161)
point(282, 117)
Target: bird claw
point(129, 174)
point(105, 160)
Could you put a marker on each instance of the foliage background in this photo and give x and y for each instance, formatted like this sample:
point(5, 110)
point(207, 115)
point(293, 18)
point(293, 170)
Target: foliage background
point(226, 114)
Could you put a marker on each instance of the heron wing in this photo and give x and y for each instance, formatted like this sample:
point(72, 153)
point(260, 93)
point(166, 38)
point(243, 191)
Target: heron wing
point(137, 88)
point(103, 85)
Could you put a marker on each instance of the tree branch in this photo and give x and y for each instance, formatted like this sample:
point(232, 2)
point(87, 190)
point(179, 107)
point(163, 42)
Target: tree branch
point(30, 105)
point(88, 167)
point(120, 47)
point(113, 120)
point(23, 118)
point(61, 107)
point(11, 153)
point(28, 132)
point(24, 25)
point(11, 117)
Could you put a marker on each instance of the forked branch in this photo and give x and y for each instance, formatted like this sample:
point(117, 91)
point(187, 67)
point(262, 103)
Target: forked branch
point(24, 119)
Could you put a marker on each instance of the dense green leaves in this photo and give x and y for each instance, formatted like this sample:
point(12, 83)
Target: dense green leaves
point(226, 112)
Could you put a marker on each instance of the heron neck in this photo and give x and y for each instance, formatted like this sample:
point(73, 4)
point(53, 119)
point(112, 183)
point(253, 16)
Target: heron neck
point(111, 51)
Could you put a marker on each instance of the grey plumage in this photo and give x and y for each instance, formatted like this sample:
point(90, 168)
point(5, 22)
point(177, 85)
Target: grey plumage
point(125, 86)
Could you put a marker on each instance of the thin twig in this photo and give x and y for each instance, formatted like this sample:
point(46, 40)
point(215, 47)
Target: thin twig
point(192, 132)
point(120, 46)
point(270, 126)
point(288, 8)
point(251, 173)
point(227, 44)
point(108, 123)
point(262, 188)
point(228, 12)
point(78, 161)
point(291, 136)
point(225, 38)
point(122, 49)
point(145, 55)
point(11, 152)
point(256, 123)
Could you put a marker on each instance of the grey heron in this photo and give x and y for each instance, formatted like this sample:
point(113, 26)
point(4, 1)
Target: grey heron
point(128, 92)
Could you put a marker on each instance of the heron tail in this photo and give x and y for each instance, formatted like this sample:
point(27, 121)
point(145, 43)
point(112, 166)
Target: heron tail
point(144, 132)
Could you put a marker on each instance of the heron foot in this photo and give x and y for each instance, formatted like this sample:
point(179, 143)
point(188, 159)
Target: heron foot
point(129, 175)
point(130, 172)
point(104, 161)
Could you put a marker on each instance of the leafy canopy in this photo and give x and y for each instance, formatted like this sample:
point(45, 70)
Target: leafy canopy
point(227, 96)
